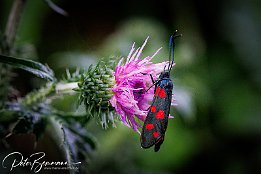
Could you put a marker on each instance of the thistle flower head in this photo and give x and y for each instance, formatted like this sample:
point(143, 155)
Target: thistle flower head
point(132, 80)
point(127, 89)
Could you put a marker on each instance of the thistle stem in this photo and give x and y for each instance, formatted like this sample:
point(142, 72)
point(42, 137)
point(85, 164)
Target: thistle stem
point(13, 21)
point(48, 91)
point(66, 87)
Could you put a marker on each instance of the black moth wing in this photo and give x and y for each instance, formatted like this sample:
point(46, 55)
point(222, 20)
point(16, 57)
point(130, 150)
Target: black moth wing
point(160, 125)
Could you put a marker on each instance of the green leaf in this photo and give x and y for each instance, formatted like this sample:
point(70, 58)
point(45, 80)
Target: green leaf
point(33, 67)
point(75, 140)
point(77, 136)
point(27, 120)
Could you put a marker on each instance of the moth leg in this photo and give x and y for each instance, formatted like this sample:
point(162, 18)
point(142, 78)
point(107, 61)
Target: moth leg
point(154, 84)
point(152, 79)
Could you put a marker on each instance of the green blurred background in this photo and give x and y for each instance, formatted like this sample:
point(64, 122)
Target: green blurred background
point(217, 77)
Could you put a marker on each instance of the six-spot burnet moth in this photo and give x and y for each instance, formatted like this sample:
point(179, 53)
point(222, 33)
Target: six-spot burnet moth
point(156, 122)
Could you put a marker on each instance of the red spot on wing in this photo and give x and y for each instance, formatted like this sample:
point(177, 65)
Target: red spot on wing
point(162, 93)
point(156, 134)
point(157, 91)
point(160, 114)
point(153, 109)
point(149, 126)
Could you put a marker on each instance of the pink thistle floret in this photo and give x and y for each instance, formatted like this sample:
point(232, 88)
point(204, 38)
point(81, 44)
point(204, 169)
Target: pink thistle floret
point(132, 78)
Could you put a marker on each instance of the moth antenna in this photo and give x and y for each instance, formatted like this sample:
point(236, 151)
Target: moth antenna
point(172, 48)
point(165, 68)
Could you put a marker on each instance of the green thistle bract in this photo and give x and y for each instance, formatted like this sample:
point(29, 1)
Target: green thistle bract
point(95, 87)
